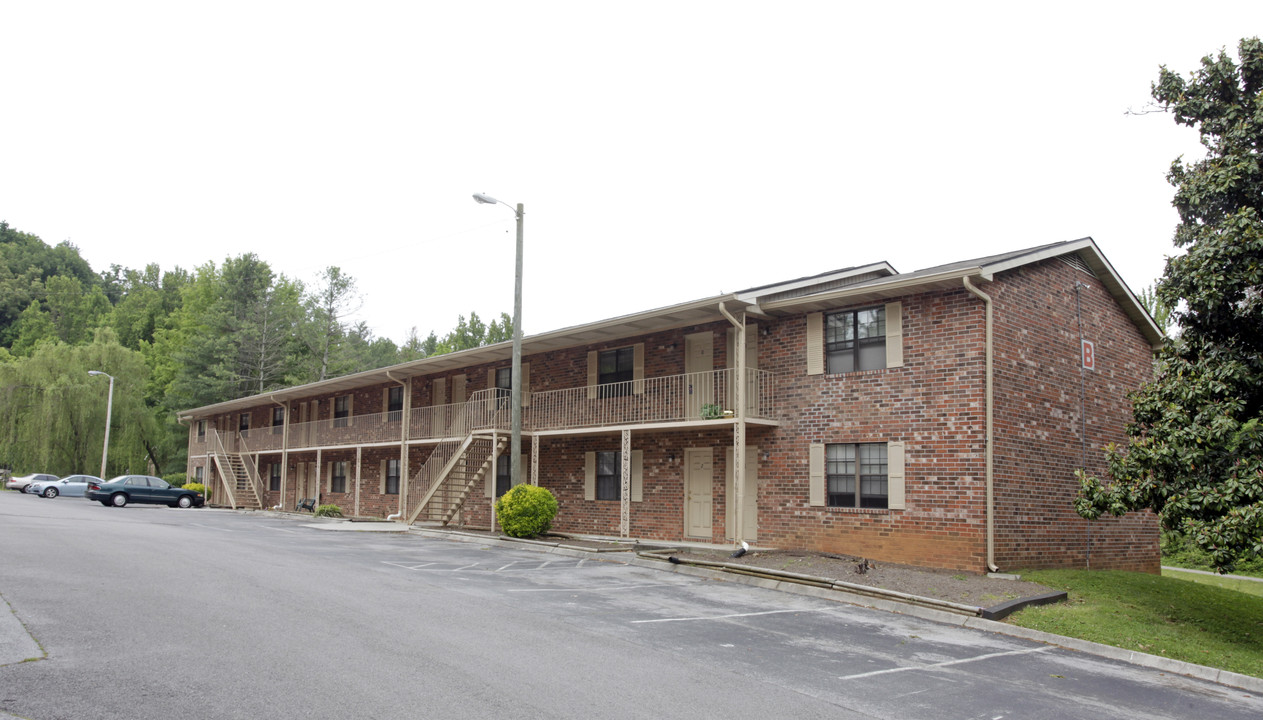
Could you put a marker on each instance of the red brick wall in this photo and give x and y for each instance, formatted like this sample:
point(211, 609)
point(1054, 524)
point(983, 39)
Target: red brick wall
point(1040, 395)
point(933, 404)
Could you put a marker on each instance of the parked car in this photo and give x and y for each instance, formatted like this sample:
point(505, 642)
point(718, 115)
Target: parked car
point(70, 486)
point(20, 483)
point(142, 489)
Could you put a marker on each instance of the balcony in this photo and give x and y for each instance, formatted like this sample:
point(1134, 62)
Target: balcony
point(674, 399)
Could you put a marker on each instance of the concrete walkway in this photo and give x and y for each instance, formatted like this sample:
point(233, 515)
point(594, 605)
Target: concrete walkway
point(1215, 574)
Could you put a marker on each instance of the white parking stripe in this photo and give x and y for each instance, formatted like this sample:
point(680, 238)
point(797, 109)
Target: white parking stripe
point(593, 589)
point(947, 663)
point(728, 617)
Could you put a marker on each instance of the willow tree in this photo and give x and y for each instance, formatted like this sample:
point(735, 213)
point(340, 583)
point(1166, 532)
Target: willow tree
point(1194, 453)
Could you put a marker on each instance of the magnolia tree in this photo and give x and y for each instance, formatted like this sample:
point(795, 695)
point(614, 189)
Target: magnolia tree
point(1194, 453)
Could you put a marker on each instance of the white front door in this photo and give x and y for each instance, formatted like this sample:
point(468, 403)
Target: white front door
point(699, 481)
point(699, 364)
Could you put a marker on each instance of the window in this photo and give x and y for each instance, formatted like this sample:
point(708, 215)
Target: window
point(504, 474)
point(609, 476)
point(337, 479)
point(274, 477)
point(243, 424)
point(278, 420)
point(392, 476)
point(341, 411)
point(201, 430)
point(855, 340)
point(615, 371)
point(504, 385)
point(198, 473)
point(394, 404)
point(856, 475)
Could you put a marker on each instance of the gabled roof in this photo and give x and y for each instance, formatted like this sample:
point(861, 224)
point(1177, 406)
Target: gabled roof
point(864, 283)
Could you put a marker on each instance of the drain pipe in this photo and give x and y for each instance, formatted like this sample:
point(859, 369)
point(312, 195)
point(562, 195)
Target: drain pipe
point(393, 516)
point(990, 353)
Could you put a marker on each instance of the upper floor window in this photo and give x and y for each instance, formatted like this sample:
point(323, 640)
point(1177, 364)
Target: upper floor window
point(856, 475)
point(615, 371)
point(201, 430)
point(278, 420)
point(243, 423)
point(504, 385)
point(341, 411)
point(394, 404)
point(855, 340)
point(609, 476)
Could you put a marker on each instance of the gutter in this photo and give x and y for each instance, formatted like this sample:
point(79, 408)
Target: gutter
point(990, 362)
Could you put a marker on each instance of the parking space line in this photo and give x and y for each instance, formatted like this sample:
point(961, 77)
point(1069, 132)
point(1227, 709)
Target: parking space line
point(417, 566)
point(946, 663)
point(594, 589)
point(265, 527)
point(506, 566)
point(729, 617)
point(211, 527)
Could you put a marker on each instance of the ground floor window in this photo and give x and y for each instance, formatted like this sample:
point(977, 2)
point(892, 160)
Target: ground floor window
point(337, 480)
point(856, 475)
point(609, 476)
point(392, 477)
point(274, 477)
point(199, 473)
point(504, 474)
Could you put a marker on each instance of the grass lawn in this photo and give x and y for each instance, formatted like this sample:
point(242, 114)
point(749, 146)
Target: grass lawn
point(1231, 583)
point(1164, 616)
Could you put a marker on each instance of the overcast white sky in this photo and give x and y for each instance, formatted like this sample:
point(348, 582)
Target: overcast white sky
point(665, 151)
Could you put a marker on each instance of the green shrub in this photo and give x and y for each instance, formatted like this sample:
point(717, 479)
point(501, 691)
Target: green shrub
point(327, 511)
point(176, 479)
point(526, 511)
point(712, 412)
point(198, 487)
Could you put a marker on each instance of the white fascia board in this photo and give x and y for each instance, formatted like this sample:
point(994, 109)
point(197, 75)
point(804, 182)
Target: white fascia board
point(752, 296)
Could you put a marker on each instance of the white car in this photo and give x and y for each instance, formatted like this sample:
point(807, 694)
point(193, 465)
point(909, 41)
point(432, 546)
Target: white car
point(71, 486)
point(20, 483)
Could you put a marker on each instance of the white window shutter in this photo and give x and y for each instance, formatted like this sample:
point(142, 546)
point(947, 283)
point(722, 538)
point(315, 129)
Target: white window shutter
point(592, 375)
point(815, 343)
point(815, 474)
point(381, 485)
point(638, 369)
point(895, 460)
point(328, 477)
point(526, 384)
point(589, 475)
point(637, 475)
point(894, 334)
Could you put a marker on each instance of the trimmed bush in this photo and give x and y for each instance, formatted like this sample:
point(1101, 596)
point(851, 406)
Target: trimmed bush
point(327, 511)
point(198, 487)
point(526, 511)
point(176, 479)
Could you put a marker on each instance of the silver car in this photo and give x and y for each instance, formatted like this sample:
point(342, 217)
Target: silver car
point(20, 483)
point(71, 486)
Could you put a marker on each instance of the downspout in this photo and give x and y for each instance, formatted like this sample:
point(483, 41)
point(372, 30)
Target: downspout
point(739, 429)
point(990, 361)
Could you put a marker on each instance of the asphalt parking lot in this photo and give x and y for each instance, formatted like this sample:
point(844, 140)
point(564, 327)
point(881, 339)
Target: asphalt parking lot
point(155, 613)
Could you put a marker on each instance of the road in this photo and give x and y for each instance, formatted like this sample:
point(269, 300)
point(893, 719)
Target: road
point(152, 612)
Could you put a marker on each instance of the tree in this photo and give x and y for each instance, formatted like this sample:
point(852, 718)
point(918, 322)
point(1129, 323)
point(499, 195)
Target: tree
point(1158, 310)
point(1195, 447)
point(334, 299)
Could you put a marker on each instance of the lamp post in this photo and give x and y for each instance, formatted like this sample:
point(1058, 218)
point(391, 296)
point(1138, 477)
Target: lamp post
point(515, 443)
point(109, 409)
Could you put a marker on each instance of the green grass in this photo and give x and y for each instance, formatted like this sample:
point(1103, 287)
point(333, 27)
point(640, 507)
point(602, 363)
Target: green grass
point(1158, 615)
point(1224, 581)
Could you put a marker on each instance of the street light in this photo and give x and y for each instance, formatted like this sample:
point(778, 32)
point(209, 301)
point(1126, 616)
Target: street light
point(515, 443)
point(109, 409)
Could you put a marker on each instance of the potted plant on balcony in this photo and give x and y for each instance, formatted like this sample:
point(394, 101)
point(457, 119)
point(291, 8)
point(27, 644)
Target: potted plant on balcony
point(711, 411)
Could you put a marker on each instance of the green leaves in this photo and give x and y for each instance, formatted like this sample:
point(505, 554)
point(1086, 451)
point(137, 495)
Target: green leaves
point(1195, 450)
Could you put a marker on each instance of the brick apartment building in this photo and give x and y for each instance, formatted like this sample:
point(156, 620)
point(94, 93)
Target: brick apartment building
point(933, 418)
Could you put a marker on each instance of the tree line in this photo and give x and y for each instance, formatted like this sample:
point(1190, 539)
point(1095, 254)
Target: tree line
point(172, 340)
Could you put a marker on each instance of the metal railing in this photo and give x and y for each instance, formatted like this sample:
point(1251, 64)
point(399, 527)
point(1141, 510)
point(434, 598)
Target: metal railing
point(673, 398)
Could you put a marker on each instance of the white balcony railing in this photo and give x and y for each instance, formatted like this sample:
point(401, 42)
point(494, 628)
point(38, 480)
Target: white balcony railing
point(674, 398)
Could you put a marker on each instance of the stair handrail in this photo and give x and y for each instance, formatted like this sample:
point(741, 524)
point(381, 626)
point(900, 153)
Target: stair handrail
point(431, 474)
point(251, 463)
point(215, 448)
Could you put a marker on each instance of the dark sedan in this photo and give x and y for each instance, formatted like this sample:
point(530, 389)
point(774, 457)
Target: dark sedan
point(142, 489)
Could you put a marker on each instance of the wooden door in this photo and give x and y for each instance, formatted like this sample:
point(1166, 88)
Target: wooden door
point(699, 364)
point(698, 492)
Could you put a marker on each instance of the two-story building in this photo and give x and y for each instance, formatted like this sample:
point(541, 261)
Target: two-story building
point(932, 418)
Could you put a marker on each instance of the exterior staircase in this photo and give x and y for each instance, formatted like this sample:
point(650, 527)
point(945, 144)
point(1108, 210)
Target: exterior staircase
point(451, 475)
point(241, 484)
